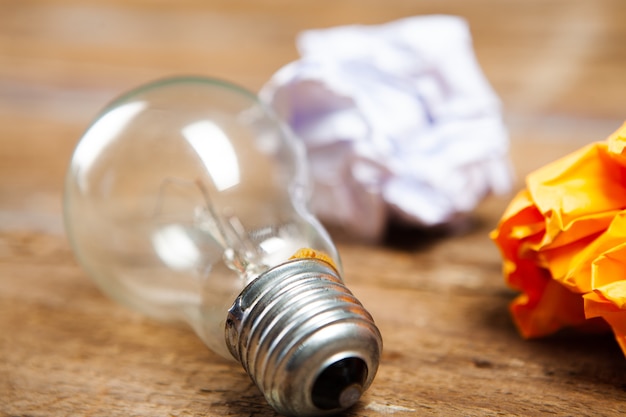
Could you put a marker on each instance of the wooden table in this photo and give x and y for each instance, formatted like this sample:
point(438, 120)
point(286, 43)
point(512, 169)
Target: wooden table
point(450, 346)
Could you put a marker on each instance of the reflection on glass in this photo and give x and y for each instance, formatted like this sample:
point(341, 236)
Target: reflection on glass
point(216, 152)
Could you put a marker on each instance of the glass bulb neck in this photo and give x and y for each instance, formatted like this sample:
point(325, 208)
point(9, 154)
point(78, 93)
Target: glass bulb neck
point(304, 339)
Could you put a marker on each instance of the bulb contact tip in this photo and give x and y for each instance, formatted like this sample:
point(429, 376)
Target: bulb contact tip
point(304, 339)
point(340, 385)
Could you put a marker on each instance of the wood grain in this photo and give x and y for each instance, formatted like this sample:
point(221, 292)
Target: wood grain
point(439, 299)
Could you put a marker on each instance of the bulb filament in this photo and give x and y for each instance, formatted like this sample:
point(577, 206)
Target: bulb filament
point(239, 252)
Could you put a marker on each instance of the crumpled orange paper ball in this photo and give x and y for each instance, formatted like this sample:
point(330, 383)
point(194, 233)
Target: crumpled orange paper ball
point(563, 243)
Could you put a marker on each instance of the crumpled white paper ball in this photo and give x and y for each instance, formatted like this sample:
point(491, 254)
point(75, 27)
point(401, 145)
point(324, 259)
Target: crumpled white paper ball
point(398, 121)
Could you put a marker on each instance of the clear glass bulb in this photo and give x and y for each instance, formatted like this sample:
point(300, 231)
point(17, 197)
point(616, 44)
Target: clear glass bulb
point(187, 200)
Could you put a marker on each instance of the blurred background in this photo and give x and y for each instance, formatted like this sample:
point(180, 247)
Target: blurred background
point(559, 67)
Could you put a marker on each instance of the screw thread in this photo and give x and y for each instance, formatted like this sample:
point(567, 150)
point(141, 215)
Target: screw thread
point(295, 325)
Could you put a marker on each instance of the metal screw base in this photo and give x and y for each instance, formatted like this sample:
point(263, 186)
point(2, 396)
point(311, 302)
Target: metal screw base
point(304, 339)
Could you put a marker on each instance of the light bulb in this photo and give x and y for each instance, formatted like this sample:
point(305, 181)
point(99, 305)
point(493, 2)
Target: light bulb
point(186, 199)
